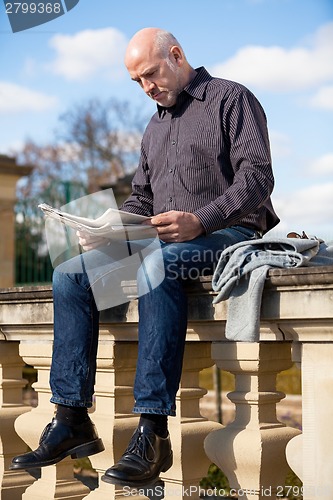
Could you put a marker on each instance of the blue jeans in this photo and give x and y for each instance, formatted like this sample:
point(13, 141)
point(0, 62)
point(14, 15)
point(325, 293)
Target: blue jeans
point(162, 324)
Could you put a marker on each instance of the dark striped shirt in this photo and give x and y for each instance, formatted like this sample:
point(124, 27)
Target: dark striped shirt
point(208, 155)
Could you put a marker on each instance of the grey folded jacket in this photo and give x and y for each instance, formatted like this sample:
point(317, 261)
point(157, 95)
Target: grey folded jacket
point(241, 272)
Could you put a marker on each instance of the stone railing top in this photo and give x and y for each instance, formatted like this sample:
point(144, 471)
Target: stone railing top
point(297, 304)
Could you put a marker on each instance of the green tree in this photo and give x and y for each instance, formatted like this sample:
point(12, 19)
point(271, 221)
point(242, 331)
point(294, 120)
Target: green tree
point(96, 143)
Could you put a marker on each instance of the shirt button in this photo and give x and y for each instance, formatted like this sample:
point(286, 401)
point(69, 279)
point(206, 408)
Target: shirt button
point(170, 198)
point(173, 143)
point(170, 170)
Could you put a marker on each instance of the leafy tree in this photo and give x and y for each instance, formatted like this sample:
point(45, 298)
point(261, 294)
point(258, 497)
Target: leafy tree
point(95, 144)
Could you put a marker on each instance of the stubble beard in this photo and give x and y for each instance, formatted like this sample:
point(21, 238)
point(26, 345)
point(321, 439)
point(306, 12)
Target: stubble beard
point(172, 94)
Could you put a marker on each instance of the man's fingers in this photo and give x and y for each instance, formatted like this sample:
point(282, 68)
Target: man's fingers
point(89, 241)
point(157, 222)
point(165, 218)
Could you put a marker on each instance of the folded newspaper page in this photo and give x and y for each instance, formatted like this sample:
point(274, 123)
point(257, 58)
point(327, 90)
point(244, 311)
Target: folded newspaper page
point(113, 224)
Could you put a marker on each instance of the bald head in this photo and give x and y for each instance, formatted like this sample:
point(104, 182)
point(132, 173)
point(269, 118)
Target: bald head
point(150, 42)
point(155, 59)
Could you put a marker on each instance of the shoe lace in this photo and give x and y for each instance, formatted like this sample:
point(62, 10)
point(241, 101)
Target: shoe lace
point(140, 445)
point(45, 433)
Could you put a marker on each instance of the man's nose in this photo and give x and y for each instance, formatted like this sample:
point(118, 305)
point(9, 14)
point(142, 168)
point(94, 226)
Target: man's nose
point(148, 86)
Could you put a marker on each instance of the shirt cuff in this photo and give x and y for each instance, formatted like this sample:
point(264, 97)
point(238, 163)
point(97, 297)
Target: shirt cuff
point(211, 218)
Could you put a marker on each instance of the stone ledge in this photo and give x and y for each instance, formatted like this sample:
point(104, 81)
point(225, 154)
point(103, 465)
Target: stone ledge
point(25, 294)
point(312, 275)
point(297, 305)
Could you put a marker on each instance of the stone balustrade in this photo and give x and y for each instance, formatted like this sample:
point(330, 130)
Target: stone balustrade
point(255, 450)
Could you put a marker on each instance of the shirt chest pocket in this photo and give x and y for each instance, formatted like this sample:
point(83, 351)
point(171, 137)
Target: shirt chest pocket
point(199, 157)
point(199, 144)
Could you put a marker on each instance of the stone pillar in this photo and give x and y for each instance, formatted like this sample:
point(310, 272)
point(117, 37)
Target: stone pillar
point(251, 449)
point(56, 481)
point(10, 173)
point(189, 429)
point(113, 417)
point(309, 455)
point(12, 483)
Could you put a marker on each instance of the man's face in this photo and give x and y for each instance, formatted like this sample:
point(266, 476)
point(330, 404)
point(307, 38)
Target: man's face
point(159, 78)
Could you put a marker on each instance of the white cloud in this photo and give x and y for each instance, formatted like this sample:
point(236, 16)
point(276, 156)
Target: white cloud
point(18, 99)
point(322, 166)
point(280, 69)
point(309, 209)
point(88, 52)
point(323, 98)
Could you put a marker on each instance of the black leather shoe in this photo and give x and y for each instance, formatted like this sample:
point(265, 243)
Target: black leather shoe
point(59, 440)
point(146, 457)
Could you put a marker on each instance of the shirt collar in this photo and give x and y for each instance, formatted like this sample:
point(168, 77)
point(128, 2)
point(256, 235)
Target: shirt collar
point(196, 89)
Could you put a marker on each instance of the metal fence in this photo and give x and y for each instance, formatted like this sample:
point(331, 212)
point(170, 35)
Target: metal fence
point(32, 260)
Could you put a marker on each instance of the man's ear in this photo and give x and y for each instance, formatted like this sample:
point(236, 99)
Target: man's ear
point(177, 54)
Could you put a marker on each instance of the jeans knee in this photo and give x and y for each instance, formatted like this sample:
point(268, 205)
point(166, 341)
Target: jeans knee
point(60, 283)
point(67, 275)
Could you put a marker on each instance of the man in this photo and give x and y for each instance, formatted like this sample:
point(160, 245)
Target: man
point(205, 177)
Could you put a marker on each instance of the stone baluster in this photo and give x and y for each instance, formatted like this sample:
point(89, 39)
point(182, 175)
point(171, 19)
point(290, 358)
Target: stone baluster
point(113, 417)
point(12, 483)
point(56, 481)
point(309, 455)
point(251, 449)
point(189, 429)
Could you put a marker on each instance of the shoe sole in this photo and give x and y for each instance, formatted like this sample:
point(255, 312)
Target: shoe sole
point(139, 484)
point(81, 451)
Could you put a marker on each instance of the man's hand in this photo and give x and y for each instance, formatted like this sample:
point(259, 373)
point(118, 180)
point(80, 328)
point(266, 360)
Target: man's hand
point(89, 241)
point(176, 226)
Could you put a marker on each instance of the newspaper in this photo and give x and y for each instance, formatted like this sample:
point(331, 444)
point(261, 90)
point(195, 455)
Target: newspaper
point(113, 224)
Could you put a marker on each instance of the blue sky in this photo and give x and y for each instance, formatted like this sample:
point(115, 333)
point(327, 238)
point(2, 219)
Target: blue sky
point(281, 49)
